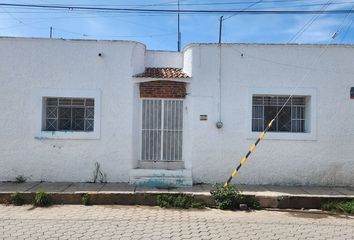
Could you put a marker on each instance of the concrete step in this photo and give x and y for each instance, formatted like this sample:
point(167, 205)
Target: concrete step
point(161, 177)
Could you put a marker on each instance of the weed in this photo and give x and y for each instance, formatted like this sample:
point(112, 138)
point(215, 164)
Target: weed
point(230, 198)
point(42, 199)
point(198, 204)
point(20, 179)
point(98, 175)
point(85, 199)
point(344, 206)
point(17, 199)
point(178, 201)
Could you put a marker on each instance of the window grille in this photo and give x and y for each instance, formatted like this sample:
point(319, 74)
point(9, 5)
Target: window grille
point(69, 114)
point(162, 130)
point(290, 119)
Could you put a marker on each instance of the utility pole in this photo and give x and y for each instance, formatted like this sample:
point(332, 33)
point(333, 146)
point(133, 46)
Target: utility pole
point(220, 28)
point(51, 32)
point(178, 31)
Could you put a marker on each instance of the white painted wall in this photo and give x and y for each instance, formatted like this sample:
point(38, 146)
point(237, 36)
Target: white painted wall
point(325, 158)
point(29, 66)
point(163, 59)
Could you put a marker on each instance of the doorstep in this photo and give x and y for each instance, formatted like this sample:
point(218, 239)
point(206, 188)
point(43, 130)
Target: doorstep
point(161, 177)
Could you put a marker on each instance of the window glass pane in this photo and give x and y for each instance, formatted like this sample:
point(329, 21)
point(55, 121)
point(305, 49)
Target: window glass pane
point(284, 120)
point(78, 102)
point(51, 124)
point(64, 113)
point(90, 112)
point(52, 112)
point(90, 102)
point(257, 112)
point(64, 124)
point(65, 101)
point(52, 101)
point(269, 114)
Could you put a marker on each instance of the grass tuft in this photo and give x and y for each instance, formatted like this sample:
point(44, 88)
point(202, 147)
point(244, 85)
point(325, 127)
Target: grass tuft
point(17, 199)
point(179, 201)
point(42, 199)
point(85, 199)
point(230, 198)
point(20, 179)
point(344, 206)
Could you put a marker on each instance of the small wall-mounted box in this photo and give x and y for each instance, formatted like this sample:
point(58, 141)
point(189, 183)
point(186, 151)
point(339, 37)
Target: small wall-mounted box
point(352, 93)
point(203, 117)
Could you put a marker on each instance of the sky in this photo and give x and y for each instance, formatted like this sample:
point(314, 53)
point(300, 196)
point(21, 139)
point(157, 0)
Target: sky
point(159, 31)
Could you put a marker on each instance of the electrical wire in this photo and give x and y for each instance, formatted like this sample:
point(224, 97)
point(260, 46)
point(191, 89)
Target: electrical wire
point(248, 7)
point(309, 23)
point(313, 64)
point(172, 11)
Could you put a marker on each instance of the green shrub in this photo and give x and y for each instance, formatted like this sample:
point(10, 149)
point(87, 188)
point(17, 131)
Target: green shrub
point(178, 201)
point(17, 199)
point(345, 206)
point(42, 199)
point(20, 179)
point(85, 199)
point(198, 204)
point(230, 198)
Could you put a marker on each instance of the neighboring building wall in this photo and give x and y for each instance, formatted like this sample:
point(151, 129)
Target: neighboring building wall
point(32, 67)
point(322, 156)
point(162, 89)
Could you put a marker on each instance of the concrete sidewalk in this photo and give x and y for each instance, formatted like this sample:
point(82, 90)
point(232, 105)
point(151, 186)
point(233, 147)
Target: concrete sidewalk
point(123, 193)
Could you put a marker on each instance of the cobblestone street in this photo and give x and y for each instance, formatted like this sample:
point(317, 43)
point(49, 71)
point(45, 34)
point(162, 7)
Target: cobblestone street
point(138, 222)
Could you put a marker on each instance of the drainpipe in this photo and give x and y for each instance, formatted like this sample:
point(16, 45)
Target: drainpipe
point(219, 123)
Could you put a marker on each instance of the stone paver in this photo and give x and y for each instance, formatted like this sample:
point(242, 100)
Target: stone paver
point(132, 222)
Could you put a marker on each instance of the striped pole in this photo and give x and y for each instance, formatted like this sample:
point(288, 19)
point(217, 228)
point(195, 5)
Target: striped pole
point(243, 160)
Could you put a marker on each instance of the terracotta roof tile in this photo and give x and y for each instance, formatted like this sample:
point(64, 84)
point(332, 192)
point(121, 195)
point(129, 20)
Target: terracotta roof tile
point(163, 73)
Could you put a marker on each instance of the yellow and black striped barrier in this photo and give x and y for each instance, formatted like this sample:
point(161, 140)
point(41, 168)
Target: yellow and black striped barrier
point(243, 160)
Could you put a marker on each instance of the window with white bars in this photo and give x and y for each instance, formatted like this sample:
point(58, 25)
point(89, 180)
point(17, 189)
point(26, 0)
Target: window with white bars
point(290, 119)
point(162, 130)
point(69, 114)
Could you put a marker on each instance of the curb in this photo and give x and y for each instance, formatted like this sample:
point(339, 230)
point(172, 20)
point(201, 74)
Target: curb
point(149, 199)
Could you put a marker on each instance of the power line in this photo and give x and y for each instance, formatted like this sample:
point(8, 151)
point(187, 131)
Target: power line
point(172, 11)
point(246, 8)
point(309, 23)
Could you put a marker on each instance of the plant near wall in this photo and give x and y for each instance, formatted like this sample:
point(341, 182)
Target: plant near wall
point(17, 199)
point(20, 179)
point(230, 198)
point(85, 199)
point(42, 199)
point(179, 201)
point(344, 206)
point(98, 175)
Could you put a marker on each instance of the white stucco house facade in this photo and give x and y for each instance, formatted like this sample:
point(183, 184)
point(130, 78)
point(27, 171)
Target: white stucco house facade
point(149, 117)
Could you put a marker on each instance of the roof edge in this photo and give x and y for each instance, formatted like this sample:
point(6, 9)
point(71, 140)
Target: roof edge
point(72, 39)
point(191, 45)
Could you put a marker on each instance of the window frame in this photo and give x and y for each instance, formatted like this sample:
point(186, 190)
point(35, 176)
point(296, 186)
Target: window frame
point(290, 106)
point(310, 95)
point(162, 129)
point(43, 94)
point(58, 106)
